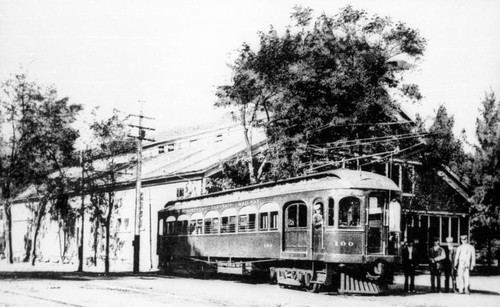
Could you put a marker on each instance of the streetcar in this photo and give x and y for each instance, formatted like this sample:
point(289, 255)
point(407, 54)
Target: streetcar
point(339, 229)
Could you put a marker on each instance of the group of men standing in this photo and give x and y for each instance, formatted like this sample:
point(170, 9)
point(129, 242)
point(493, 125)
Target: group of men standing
point(456, 263)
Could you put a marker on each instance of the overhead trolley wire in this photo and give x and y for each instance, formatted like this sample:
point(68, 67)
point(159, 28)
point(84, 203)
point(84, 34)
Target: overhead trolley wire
point(331, 125)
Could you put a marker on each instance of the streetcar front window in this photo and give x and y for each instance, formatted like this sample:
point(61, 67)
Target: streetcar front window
point(296, 214)
point(349, 212)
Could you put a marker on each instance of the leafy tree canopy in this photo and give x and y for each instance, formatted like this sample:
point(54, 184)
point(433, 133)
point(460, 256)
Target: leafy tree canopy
point(37, 135)
point(324, 80)
point(37, 139)
point(486, 171)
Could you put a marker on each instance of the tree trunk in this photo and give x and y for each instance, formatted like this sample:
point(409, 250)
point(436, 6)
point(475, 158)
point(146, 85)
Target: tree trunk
point(489, 254)
point(8, 214)
point(95, 240)
point(108, 227)
point(41, 213)
point(251, 170)
point(106, 261)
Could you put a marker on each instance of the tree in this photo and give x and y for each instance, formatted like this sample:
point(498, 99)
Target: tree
point(486, 172)
point(111, 140)
point(37, 140)
point(318, 83)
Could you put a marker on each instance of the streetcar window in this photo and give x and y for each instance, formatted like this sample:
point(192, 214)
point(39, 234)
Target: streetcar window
point(195, 227)
point(182, 224)
point(228, 221)
point(211, 224)
point(264, 221)
point(215, 225)
point(349, 215)
point(243, 223)
point(296, 214)
point(273, 225)
point(228, 224)
point(291, 216)
point(160, 227)
point(331, 212)
point(246, 219)
point(247, 222)
point(268, 216)
point(170, 223)
point(208, 226)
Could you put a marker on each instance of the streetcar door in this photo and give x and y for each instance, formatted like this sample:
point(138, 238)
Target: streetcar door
point(376, 233)
point(295, 231)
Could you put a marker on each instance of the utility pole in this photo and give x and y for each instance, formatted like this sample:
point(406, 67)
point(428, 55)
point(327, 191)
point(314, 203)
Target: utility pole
point(138, 199)
point(82, 212)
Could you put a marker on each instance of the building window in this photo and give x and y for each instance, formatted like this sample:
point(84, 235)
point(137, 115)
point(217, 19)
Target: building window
point(161, 149)
point(180, 192)
point(170, 147)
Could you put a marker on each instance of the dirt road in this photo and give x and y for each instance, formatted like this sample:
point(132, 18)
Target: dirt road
point(71, 289)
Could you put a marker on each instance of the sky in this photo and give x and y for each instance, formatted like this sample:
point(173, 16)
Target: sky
point(171, 55)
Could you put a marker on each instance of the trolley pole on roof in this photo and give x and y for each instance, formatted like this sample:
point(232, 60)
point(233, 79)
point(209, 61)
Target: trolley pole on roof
point(138, 197)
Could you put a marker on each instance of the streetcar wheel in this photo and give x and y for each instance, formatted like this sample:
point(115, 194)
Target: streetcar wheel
point(309, 286)
point(313, 288)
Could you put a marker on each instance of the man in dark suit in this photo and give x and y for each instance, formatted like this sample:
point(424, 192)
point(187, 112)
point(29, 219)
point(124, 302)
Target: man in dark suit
point(449, 269)
point(436, 257)
point(410, 263)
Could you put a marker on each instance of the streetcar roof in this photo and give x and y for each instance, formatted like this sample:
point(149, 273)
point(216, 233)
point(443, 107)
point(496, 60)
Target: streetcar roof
point(343, 179)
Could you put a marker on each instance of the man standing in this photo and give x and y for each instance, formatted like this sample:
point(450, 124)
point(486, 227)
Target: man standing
point(465, 260)
point(318, 215)
point(436, 256)
point(449, 267)
point(410, 263)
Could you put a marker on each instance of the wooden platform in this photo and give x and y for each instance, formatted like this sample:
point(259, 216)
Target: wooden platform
point(349, 284)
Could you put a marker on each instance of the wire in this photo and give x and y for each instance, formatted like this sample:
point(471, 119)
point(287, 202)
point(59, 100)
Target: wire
point(375, 141)
point(377, 138)
point(362, 124)
point(387, 153)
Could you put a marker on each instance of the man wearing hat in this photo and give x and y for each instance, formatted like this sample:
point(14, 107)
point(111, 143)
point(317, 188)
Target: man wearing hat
point(317, 216)
point(449, 268)
point(436, 257)
point(465, 260)
point(410, 264)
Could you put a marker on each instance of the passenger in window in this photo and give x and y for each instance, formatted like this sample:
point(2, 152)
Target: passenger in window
point(318, 215)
